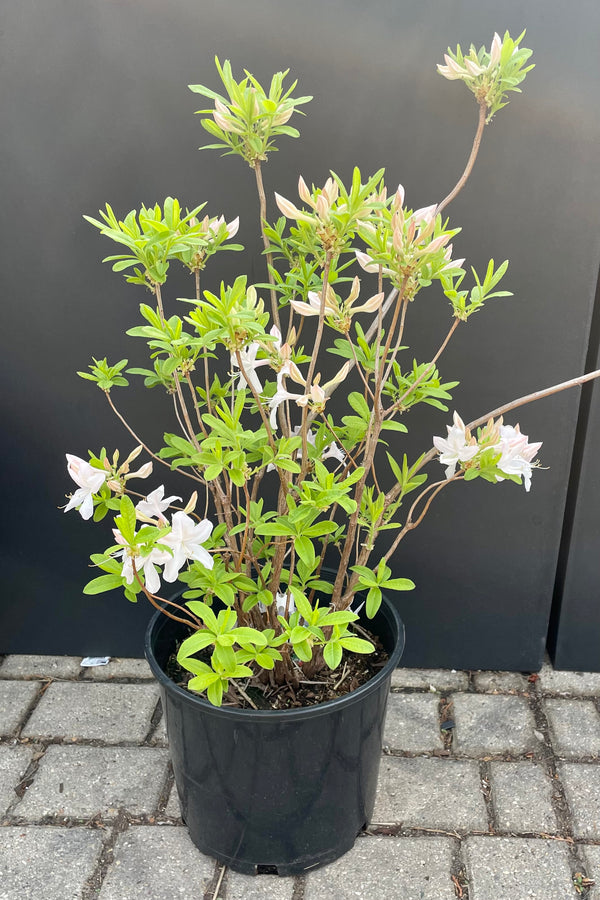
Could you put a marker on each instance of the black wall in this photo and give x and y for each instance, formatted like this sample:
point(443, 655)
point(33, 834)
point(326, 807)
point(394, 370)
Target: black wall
point(95, 107)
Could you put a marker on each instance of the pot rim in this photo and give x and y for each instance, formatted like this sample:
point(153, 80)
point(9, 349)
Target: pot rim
point(388, 610)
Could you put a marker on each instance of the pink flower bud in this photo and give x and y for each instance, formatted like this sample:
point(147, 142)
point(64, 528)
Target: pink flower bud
point(398, 198)
point(366, 262)
point(323, 206)
point(303, 192)
point(222, 122)
point(331, 190)
point(496, 50)
point(372, 304)
point(233, 227)
point(289, 210)
point(473, 68)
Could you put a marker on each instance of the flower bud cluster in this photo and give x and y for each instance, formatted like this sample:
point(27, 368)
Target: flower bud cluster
point(330, 219)
point(489, 74)
point(338, 313)
point(410, 247)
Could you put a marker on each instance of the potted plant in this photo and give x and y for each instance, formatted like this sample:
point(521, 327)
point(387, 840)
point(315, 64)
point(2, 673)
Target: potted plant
point(274, 669)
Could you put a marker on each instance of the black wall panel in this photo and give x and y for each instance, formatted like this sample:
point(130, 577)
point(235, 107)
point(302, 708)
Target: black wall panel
point(95, 107)
point(575, 623)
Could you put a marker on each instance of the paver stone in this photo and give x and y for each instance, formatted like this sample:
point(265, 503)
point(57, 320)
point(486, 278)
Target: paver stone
point(156, 863)
point(13, 763)
point(574, 727)
point(46, 862)
point(84, 781)
point(581, 782)
point(509, 868)
point(490, 724)
point(15, 697)
point(108, 712)
point(381, 868)
point(412, 723)
point(430, 793)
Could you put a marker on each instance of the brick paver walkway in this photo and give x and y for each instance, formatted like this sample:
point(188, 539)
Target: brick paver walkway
point(489, 790)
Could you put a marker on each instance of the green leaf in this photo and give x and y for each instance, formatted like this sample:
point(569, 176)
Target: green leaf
point(374, 597)
point(103, 583)
point(304, 549)
point(399, 584)
point(203, 610)
point(302, 605)
point(332, 654)
point(203, 679)
point(215, 692)
point(303, 651)
point(357, 645)
point(249, 636)
point(127, 520)
point(197, 641)
point(224, 656)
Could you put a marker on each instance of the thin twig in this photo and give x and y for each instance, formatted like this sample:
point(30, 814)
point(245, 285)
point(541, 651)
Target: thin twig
point(146, 448)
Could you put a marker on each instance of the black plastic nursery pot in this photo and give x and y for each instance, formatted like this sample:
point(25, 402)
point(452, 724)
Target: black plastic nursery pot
point(285, 790)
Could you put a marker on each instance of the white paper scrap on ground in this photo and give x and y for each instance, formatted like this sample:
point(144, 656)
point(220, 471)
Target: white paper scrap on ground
point(95, 661)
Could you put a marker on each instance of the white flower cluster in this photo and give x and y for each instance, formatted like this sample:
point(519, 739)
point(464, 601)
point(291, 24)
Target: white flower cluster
point(184, 541)
point(516, 453)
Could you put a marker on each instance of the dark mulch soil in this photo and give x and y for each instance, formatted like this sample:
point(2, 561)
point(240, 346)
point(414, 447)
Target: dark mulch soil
point(354, 671)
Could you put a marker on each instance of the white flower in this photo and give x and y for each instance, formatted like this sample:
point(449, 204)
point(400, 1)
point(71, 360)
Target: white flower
point(185, 540)
point(517, 454)
point(145, 564)
point(155, 504)
point(278, 398)
point(454, 449)
point(249, 365)
point(89, 481)
point(334, 452)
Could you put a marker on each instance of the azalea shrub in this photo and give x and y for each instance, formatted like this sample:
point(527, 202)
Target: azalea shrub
point(274, 483)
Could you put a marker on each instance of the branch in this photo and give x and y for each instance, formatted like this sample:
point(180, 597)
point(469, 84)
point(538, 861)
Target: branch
point(263, 216)
point(471, 162)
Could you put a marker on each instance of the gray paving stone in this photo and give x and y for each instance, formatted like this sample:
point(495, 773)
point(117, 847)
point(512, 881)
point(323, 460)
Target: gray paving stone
point(261, 887)
point(118, 668)
point(574, 727)
point(44, 862)
point(13, 763)
point(156, 863)
point(522, 795)
point(412, 723)
point(500, 681)
point(592, 858)
point(489, 724)
point(23, 666)
point(439, 679)
point(430, 793)
point(83, 781)
point(518, 869)
point(382, 868)
point(15, 697)
point(159, 738)
point(581, 684)
point(173, 807)
point(581, 782)
point(109, 712)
